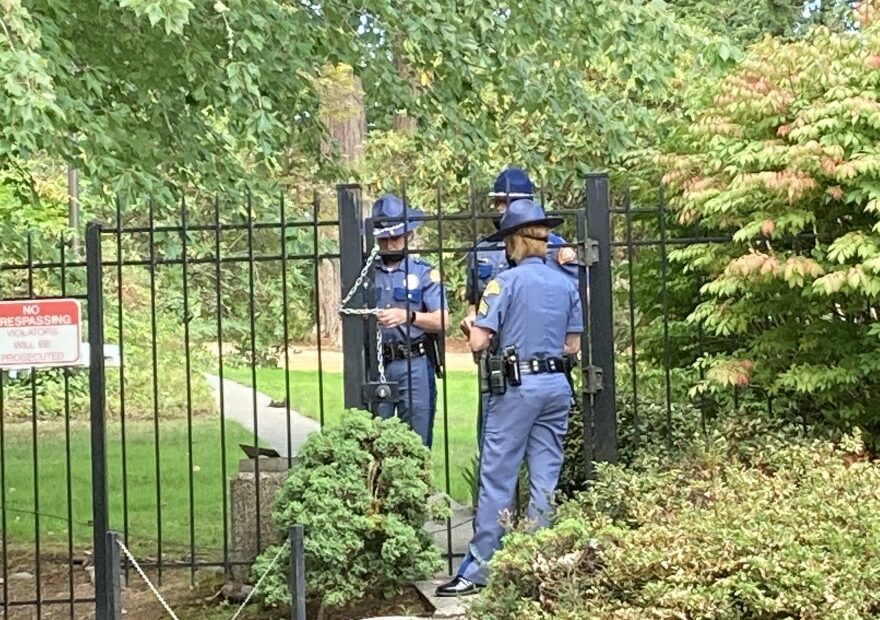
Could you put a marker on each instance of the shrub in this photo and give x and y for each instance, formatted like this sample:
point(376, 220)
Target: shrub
point(718, 534)
point(784, 159)
point(362, 490)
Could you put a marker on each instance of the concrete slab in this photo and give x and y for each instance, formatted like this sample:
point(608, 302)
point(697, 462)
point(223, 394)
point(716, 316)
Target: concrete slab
point(448, 608)
point(459, 531)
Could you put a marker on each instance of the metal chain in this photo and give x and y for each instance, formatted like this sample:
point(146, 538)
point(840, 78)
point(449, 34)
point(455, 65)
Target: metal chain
point(260, 580)
point(143, 575)
point(380, 358)
point(374, 254)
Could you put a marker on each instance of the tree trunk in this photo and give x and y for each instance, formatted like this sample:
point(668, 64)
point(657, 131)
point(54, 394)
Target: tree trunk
point(344, 119)
point(403, 122)
point(328, 302)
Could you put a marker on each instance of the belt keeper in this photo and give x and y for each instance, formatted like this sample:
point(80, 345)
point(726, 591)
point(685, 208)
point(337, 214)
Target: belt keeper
point(536, 366)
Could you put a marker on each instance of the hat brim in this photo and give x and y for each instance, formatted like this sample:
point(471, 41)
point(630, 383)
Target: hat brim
point(396, 229)
point(510, 195)
point(549, 222)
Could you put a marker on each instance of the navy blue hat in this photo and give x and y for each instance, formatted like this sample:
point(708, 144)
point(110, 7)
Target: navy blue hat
point(388, 217)
point(522, 213)
point(512, 183)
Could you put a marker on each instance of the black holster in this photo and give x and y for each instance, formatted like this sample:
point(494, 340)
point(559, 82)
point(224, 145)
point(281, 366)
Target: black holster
point(493, 374)
point(432, 350)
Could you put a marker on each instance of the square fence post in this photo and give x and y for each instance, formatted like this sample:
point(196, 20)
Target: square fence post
point(100, 514)
point(601, 319)
point(351, 256)
point(114, 585)
point(296, 538)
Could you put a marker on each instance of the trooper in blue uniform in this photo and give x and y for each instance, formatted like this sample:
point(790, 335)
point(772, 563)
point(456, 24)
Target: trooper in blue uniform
point(411, 310)
point(529, 317)
point(488, 259)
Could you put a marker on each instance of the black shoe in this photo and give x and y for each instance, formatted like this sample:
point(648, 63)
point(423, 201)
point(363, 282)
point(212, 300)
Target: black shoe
point(459, 587)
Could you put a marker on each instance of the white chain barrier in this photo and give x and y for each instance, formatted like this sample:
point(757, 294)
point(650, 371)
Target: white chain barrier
point(143, 575)
point(165, 604)
point(358, 283)
point(256, 587)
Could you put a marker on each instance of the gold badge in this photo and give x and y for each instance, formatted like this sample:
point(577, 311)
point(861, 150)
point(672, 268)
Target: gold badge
point(566, 255)
point(434, 275)
point(493, 288)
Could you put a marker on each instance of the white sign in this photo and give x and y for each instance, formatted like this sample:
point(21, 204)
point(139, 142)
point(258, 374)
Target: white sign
point(39, 333)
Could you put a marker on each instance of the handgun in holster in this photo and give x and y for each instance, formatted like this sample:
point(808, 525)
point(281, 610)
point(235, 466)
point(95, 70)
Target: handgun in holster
point(493, 378)
point(511, 366)
point(432, 350)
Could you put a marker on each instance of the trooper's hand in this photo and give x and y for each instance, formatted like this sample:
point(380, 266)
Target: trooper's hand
point(391, 317)
point(565, 256)
point(466, 324)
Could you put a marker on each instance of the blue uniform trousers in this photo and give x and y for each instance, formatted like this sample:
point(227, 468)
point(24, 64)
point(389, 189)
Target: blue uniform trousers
point(527, 422)
point(417, 396)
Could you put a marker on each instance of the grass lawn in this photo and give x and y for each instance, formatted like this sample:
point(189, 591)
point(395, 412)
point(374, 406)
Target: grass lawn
point(208, 483)
point(457, 412)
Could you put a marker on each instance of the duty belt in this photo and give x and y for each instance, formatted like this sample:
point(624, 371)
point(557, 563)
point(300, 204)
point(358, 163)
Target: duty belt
point(537, 366)
point(402, 351)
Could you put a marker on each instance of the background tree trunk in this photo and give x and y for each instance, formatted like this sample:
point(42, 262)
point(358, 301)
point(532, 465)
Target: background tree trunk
point(344, 119)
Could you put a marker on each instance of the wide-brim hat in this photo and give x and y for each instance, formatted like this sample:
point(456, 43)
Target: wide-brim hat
point(513, 184)
point(522, 213)
point(391, 218)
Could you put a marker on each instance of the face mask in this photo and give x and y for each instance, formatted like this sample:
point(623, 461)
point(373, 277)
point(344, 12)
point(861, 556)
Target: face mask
point(496, 221)
point(391, 256)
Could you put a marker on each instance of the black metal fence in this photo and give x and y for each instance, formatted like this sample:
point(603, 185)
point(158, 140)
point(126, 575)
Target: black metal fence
point(658, 351)
point(189, 305)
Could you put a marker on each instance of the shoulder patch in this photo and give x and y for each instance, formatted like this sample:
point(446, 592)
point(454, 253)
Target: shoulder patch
point(493, 288)
point(484, 307)
point(434, 275)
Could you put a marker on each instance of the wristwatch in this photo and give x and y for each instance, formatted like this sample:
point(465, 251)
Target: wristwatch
point(412, 316)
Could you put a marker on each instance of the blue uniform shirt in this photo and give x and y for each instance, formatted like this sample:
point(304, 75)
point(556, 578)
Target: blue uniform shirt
point(414, 281)
point(532, 306)
point(488, 260)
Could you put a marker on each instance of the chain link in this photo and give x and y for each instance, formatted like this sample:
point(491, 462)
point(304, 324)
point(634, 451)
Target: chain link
point(260, 580)
point(358, 283)
point(143, 575)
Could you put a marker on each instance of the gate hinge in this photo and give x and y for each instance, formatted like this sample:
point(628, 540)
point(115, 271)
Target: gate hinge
point(592, 379)
point(591, 251)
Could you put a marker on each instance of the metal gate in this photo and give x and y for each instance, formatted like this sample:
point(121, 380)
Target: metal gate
point(165, 283)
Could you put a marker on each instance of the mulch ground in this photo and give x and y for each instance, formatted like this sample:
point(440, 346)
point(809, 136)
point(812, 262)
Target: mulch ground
point(200, 601)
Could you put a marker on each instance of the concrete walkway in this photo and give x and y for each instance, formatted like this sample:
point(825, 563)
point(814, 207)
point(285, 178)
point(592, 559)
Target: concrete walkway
point(238, 405)
point(272, 425)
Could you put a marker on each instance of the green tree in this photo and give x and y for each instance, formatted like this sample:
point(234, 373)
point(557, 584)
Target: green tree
point(748, 21)
point(145, 92)
point(785, 160)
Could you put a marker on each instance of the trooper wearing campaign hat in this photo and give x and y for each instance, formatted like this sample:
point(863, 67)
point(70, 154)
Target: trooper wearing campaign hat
point(412, 309)
point(487, 259)
point(529, 315)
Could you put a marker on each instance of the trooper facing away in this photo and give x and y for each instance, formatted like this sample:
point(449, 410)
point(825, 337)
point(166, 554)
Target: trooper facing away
point(412, 310)
point(529, 317)
point(488, 258)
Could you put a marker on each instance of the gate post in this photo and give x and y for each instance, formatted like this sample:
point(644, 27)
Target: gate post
point(601, 319)
point(351, 257)
point(100, 514)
